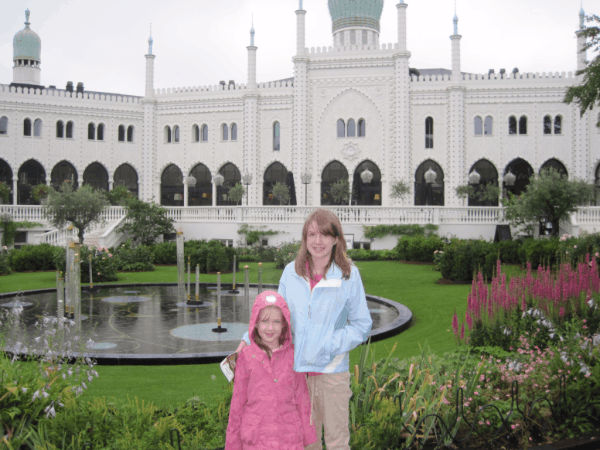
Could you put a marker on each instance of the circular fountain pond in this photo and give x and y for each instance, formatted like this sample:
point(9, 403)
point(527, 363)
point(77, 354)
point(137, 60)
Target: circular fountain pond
point(152, 324)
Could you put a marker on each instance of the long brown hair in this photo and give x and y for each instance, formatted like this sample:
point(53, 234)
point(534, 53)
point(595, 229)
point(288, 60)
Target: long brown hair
point(328, 225)
point(263, 315)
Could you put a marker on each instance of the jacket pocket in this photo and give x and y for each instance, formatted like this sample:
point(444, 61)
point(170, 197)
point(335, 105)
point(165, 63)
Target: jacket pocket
point(250, 428)
point(293, 426)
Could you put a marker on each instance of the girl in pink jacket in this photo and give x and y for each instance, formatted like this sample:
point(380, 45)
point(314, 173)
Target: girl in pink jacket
point(270, 407)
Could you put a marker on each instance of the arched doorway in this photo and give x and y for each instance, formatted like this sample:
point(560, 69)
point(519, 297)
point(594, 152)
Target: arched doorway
point(125, 175)
point(96, 176)
point(432, 193)
point(489, 176)
point(232, 176)
point(367, 194)
point(64, 171)
point(201, 194)
point(171, 186)
point(275, 173)
point(556, 165)
point(333, 172)
point(6, 177)
point(522, 170)
point(31, 173)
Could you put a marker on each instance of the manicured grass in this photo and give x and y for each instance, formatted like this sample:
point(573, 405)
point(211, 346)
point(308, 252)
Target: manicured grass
point(415, 286)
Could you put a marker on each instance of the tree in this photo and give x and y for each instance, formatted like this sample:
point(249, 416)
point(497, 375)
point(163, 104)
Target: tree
point(236, 193)
point(549, 196)
point(81, 207)
point(281, 192)
point(146, 221)
point(587, 94)
point(489, 192)
point(400, 189)
point(340, 191)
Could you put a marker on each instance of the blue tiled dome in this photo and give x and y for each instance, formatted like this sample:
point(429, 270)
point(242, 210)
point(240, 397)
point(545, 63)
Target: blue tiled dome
point(355, 13)
point(27, 44)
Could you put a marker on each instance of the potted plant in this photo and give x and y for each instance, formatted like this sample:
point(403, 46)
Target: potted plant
point(40, 193)
point(5, 191)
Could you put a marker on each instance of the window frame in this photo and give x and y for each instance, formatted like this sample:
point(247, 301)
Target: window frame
point(37, 130)
point(27, 127)
point(204, 133)
point(429, 132)
point(91, 131)
point(491, 127)
point(130, 134)
point(476, 124)
point(100, 132)
point(60, 129)
point(351, 128)
point(70, 122)
point(343, 129)
point(513, 125)
point(276, 136)
point(224, 132)
point(523, 125)
point(121, 133)
point(234, 127)
point(361, 128)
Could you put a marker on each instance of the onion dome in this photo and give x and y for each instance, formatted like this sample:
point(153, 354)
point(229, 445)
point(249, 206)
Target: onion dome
point(26, 43)
point(355, 13)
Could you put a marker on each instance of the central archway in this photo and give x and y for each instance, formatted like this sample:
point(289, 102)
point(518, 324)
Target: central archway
point(96, 176)
point(6, 177)
point(201, 194)
point(333, 172)
point(232, 176)
point(62, 172)
point(429, 194)
point(367, 194)
point(31, 173)
point(171, 186)
point(523, 171)
point(275, 173)
point(125, 175)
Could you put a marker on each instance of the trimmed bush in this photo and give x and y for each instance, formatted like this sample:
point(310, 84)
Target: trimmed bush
point(211, 256)
point(134, 259)
point(418, 248)
point(464, 258)
point(104, 265)
point(165, 253)
point(32, 257)
point(286, 253)
point(542, 251)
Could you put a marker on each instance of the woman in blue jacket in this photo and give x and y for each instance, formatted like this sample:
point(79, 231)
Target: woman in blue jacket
point(330, 317)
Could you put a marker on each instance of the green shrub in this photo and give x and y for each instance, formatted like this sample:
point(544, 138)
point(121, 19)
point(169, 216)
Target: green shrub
point(104, 265)
point(165, 253)
point(418, 248)
point(211, 256)
point(134, 259)
point(32, 257)
point(4, 267)
point(286, 253)
point(380, 231)
point(257, 254)
point(462, 258)
point(540, 251)
point(509, 251)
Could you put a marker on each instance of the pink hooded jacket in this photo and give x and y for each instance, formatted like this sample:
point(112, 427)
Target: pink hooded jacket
point(270, 407)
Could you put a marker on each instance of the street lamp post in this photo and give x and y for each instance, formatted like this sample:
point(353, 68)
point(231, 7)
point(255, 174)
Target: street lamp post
point(306, 177)
point(247, 180)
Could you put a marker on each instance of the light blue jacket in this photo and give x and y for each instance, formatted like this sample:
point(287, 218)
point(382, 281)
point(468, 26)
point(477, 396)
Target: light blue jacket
point(328, 323)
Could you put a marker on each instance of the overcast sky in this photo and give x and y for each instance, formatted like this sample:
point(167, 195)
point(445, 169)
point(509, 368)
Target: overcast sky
point(200, 42)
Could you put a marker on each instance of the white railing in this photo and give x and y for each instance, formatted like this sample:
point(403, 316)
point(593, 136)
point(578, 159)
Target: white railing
point(112, 237)
point(26, 213)
point(56, 237)
point(472, 215)
point(588, 215)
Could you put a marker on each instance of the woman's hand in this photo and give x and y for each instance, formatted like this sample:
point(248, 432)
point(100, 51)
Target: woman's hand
point(241, 346)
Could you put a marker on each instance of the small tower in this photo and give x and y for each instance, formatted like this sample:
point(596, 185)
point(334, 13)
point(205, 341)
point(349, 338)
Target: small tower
point(150, 67)
point(402, 25)
point(27, 49)
point(355, 22)
point(252, 60)
point(300, 30)
point(455, 38)
point(581, 53)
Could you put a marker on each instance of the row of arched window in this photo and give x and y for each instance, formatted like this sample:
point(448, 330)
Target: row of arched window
point(95, 132)
point(350, 130)
point(31, 173)
point(200, 134)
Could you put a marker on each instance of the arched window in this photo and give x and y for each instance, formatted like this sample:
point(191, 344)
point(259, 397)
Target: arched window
point(523, 171)
point(30, 174)
point(225, 132)
point(196, 133)
point(91, 131)
point(488, 175)
point(27, 127)
point(64, 171)
point(333, 172)
point(523, 125)
point(276, 137)
point(60, 129)
point(234, 132)
point(341, 128)
point(431, 194)
point(556, 165)
point(130, 131)
point(3, 125)
point(478, 125)
point(429, 132)
point(362, 128)
point(201, 194)
point(122, 133)
point(488, 127)
point(547, 125)
point(367, 194)
point(176, 133)
point(171, 186)
point(125, 175)
point(70, 127)
point(351, 128)
point(232, 176)
point(275, 173)
point(167, 134)
point(96, 176)
point(204, 133)
point(37, 128)
point(100, 131)
point(364, 37)
point(558, 125)
point(6, 177)
point(512, 125)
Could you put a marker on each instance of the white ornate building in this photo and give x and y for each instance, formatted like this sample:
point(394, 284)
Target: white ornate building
point(352, 105)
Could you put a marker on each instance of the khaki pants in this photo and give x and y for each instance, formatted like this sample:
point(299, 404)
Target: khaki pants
point(330, 396)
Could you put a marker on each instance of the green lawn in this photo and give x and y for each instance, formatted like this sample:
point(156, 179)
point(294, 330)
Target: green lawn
point(415, 286)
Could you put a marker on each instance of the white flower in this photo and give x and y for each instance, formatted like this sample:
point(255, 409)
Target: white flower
point(213, 377)
point(36, 395)
point(45, 394)
point(83, 384)
point(50, 411)
point(24, 390)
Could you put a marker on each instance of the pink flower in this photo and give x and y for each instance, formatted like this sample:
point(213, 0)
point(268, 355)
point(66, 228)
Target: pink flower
point(574, 246)
point(455, 324)
point(98, 273)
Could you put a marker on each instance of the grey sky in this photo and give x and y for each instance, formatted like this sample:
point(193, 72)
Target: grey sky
point(201, 42)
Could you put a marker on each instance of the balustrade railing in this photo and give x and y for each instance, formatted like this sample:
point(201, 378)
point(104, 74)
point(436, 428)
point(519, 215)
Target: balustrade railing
point(56, 237)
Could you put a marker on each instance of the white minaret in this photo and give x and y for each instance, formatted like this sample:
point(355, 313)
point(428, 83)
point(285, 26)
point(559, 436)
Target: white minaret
point(400, 162)
point(456, 121)
point(27, 50)
point(150, 185)
point(250, 137)
point(300, 163)
point(581, 54)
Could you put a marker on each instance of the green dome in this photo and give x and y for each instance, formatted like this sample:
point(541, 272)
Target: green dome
point(27, 44)
point(355, 13)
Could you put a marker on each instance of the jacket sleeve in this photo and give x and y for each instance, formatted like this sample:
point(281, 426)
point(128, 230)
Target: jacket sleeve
point(357, 330)
point(233, 440)
point(309, 431)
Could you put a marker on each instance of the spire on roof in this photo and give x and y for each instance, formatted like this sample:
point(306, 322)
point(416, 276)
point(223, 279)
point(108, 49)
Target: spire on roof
point(455, 20)
point(27, 17)
point(300, 5)
point(581, 17)
point(150, 41)
point(252, 32)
